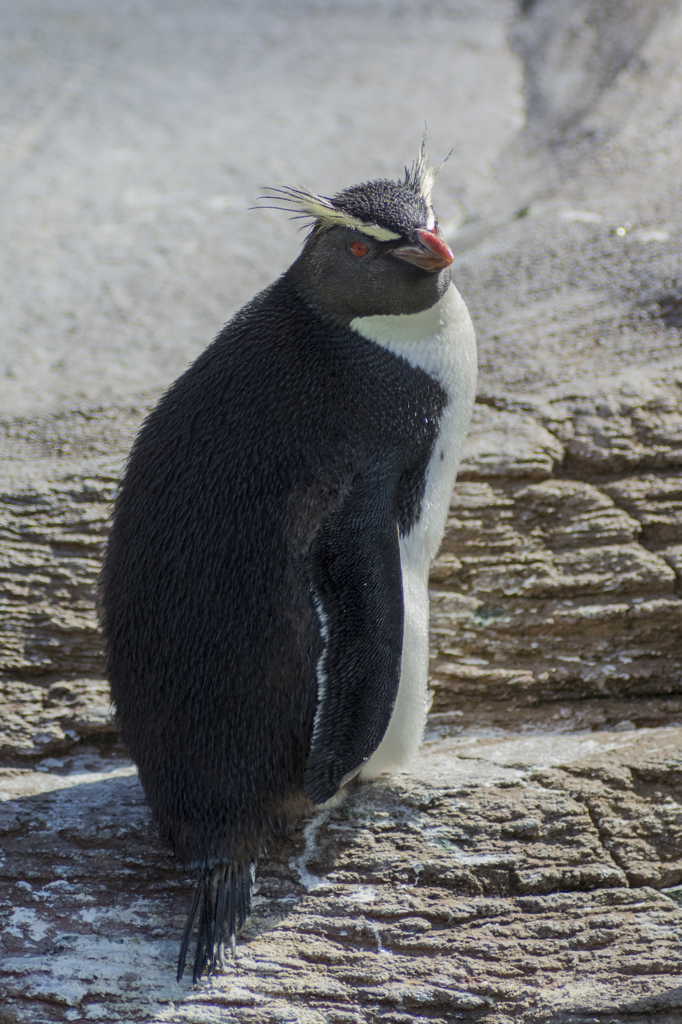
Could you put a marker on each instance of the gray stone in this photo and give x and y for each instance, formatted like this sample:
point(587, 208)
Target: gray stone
point(499, 875)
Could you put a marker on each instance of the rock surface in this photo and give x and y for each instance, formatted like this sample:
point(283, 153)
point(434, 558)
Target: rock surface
point(497, 881)
point(529, 866)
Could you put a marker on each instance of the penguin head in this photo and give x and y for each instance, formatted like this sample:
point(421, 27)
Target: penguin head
point(374, 248)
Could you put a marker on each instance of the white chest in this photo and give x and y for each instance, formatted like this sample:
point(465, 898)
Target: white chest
point(441, 342)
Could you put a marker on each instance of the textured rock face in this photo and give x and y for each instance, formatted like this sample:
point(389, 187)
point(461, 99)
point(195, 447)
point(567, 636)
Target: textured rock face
point(560, 565)
point(53, 528)
point(557, 583)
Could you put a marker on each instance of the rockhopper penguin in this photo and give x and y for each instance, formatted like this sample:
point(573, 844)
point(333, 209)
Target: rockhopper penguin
point(264, 592)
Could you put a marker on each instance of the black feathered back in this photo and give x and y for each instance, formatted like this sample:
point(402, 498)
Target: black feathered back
point(211, 629)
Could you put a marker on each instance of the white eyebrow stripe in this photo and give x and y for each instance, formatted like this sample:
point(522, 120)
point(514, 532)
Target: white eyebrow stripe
point(375, 230)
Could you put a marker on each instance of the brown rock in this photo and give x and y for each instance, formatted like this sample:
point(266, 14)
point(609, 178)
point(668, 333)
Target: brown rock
point(509, 445)
point(562, 588)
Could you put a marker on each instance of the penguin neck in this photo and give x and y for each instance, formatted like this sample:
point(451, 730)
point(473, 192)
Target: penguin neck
point(431, 339)
point(388, 287)
point(403, 328)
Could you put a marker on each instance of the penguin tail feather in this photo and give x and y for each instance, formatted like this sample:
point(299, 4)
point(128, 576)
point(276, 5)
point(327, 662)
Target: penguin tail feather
point(222, 900)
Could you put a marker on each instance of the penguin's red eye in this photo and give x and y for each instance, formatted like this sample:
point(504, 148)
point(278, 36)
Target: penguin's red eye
point(358, 248)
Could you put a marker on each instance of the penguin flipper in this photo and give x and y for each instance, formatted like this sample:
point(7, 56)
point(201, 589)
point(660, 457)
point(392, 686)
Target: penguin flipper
point(358, 594)
point(223, 893)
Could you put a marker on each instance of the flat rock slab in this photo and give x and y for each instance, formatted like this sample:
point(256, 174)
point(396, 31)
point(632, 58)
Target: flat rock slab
point(502, 879)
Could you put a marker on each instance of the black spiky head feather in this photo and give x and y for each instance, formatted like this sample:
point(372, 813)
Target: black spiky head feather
point(385, 209)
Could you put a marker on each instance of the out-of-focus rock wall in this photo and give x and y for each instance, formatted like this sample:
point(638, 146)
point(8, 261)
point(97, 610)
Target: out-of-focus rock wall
point(572, 54)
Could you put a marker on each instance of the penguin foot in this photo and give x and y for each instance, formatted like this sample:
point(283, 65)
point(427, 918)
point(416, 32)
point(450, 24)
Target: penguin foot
point(223, 901)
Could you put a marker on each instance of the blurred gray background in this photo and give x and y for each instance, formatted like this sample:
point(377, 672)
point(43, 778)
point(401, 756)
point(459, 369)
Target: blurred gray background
point(135, 136)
